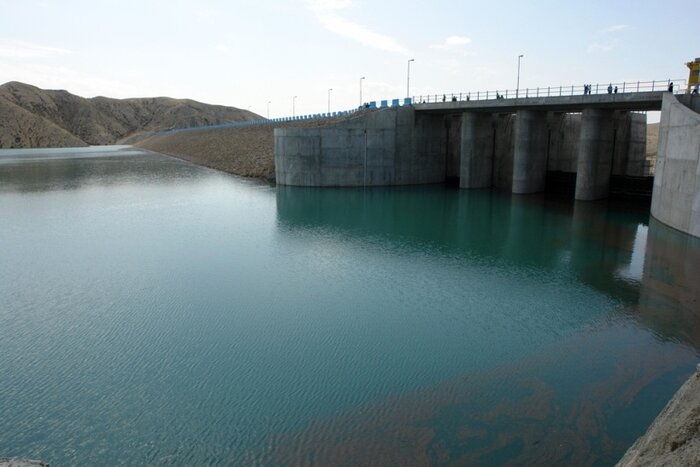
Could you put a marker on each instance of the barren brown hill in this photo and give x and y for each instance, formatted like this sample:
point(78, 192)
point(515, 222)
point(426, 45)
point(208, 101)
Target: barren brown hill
point(33, 117)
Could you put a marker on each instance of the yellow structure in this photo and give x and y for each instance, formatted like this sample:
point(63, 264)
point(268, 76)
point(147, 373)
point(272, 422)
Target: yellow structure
point(694, 78)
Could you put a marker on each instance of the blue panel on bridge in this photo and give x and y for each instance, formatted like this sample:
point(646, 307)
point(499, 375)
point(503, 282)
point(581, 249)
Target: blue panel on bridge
point(384, 104)
point(373, 105)
point(394, 102)
point(406, 101)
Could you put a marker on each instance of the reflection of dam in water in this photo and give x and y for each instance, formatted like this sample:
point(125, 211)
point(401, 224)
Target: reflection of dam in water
point(570, 402)
point(670, 298)
point(610, 246)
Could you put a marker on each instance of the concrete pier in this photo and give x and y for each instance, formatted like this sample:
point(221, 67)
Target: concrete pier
point(595, 150)
point(676, 198)
point(530, 152)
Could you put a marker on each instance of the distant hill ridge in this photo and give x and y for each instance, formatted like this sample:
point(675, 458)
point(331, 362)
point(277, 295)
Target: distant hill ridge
point(31, 117)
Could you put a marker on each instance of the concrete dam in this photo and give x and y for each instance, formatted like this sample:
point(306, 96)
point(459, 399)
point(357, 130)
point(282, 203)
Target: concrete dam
point(522, 145)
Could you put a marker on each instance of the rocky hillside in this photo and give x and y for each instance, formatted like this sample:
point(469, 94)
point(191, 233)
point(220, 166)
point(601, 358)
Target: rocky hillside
point(33, 117)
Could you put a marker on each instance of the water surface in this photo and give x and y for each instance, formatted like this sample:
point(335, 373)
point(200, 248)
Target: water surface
point(154, 312)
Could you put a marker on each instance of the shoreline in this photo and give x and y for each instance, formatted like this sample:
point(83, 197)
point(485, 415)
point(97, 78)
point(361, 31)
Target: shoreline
point(673, 438)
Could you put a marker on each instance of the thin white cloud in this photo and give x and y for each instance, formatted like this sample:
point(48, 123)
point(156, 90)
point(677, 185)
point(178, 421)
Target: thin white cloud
point(205, 17)
point(221, 48)
point(604, 40)
point(601, 47)
point(616, 28)
point(20, 49)
point(326, 12)
point(457, 41)
point(453, 42)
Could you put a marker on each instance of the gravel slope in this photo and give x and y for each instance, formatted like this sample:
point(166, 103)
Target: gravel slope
point(674, 437)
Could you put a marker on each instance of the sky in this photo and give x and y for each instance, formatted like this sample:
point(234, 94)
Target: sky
point(248, 53)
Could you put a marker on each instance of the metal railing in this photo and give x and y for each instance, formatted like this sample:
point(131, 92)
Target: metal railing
point(679, 87)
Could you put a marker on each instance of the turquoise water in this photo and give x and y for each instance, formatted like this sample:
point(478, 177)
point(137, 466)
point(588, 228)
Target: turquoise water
point(154, 312)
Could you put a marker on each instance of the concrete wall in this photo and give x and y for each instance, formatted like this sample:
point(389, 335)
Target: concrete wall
point(630, 144)
point(564, 133)
point(476, 150)
point(503, 151)
point(427, 164)
point(692, 101)
point(676, 197)
point(454, 149)
point(391, 146)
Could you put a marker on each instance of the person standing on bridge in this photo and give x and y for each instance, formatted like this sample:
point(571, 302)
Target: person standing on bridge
point(670, 86)
point(615, 90)
point(610, 88)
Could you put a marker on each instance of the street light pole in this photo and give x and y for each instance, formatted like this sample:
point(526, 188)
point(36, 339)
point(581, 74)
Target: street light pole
point(408, 77)
point(294, 106)
point(361, 90)
point(517, 86)
point(329, 99)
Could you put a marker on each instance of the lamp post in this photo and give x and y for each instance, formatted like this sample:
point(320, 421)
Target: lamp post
point(294, 106)
point(329, 100)
point(517, 86)
point(268, 109)
point(361, 90)
point(408, 77)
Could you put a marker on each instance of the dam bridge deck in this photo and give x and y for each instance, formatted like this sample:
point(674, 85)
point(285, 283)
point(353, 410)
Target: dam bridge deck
point(632, 101)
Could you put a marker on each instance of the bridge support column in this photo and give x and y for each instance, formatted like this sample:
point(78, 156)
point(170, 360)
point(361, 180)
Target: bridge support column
point(476, 150)
point(595, 149)
point(530, 152)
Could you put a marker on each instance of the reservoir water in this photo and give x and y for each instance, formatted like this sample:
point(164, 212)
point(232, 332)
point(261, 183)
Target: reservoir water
point(155, 312)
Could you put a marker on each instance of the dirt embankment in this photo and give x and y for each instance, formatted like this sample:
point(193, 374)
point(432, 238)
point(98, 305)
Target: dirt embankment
point(245, 151)
point(248, 151)
point(674, 437)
